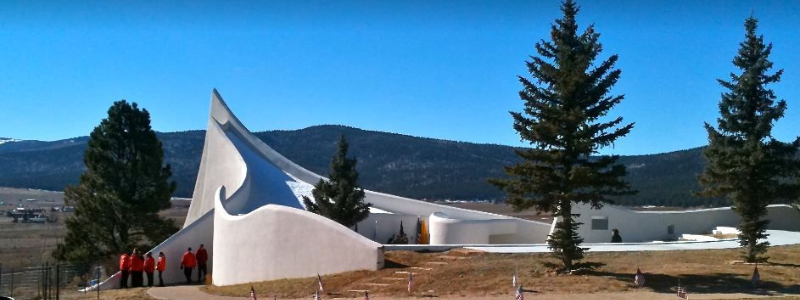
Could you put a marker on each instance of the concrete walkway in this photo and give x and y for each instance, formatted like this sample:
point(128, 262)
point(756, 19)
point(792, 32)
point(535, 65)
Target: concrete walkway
point(194, 293)
point(776, 238)
point(185, 292)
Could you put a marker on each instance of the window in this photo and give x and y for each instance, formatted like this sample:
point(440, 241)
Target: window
point(599, 223)
point(671, 229)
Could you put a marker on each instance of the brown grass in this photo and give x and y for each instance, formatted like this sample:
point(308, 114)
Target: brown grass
point(484, 274)
point(129, 294)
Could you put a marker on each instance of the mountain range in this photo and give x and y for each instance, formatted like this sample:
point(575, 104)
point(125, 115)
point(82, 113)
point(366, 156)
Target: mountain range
point(416, 167)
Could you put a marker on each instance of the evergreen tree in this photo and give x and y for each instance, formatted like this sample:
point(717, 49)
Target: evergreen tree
point(340, 198)
point(563, 106)
point(124, 187)
point(746, 164)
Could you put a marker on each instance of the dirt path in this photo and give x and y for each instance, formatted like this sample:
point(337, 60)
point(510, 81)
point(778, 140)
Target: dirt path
point(194, 293)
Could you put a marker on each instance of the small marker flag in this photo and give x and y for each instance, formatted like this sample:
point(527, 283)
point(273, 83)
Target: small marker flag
point(410, 282)
point(639, 278)
point(681, 291)
point(319, 281)
point(756, 277)
point(514, 279)
point(253, 293)
point(520, 294)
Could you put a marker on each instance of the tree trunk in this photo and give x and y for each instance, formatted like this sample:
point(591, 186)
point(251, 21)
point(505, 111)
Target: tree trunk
point(566, 217)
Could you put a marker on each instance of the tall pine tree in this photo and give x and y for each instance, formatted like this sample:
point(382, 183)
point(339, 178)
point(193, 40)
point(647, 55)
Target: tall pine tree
point(563, 106)
point(124, 187)
point(340, 198)
point(745, 163)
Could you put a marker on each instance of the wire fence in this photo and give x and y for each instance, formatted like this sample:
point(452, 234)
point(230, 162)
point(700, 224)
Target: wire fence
point(47, 281)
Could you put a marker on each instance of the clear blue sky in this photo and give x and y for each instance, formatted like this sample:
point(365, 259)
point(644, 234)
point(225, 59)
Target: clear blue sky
point(442, 69)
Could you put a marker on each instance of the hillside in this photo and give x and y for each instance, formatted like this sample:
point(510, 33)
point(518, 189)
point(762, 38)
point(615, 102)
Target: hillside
point(415, 167)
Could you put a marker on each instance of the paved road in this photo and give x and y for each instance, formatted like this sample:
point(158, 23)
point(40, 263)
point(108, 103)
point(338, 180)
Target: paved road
point(194, 293)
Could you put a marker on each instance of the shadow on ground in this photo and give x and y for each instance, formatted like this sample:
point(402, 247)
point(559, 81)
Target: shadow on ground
point(704, 284)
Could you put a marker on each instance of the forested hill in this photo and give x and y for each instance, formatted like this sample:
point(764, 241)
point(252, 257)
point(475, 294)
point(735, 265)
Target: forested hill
point(415, 167)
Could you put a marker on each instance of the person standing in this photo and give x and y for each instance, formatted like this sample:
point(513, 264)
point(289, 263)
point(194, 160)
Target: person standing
point(124, 268)
point(202, 259)
point(615, 237)
point(188, 262)
point(137, 266)
point(149, 268)
point(161, 266)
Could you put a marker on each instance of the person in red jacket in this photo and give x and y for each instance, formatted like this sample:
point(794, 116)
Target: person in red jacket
point(188, 262)
point(124, 268)
point(202, 259)
point(137, 267)
point(161, 266)
point(149, 268)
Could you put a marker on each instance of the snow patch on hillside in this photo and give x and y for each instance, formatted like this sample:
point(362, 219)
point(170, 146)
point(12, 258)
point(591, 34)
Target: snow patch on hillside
point(8, 140)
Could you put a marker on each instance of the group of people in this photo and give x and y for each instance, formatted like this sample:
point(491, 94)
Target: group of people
point(191, 260)
point(133, 266)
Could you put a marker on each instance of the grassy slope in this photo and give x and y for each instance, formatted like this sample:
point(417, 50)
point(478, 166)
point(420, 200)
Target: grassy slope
point(482, 274)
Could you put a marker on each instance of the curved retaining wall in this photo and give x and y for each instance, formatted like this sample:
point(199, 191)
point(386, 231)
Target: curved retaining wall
point(274, 242)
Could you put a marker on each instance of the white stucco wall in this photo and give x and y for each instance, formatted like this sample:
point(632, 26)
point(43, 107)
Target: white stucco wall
point(644, 226)
point(388, 225)
point(220, 164)
point(274, 242)
point(261, 153)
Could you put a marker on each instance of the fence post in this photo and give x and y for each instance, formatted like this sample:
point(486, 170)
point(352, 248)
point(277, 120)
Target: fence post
point(97, 282)
point(46, 280)
point(58, 282)
point(50, 282)
point(40, 287)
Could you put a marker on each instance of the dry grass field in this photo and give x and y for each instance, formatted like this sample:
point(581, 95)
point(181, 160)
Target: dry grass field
point(30, 244)
point(461, 273)
point(452, 274)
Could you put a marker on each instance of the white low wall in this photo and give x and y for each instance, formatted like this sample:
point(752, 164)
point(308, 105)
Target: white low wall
point(446, 230)
point(388, 225)
point(275, 242)
point(643, 226)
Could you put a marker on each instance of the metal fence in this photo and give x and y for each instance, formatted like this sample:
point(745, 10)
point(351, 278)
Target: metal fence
point(45, 281)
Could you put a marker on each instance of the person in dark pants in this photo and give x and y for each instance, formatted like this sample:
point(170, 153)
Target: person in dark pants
point(124, 268)
point(137, 268)
point(615, 238)
point(188, 262)
point(202, 259)
point(161, 266)
point(149, 268)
